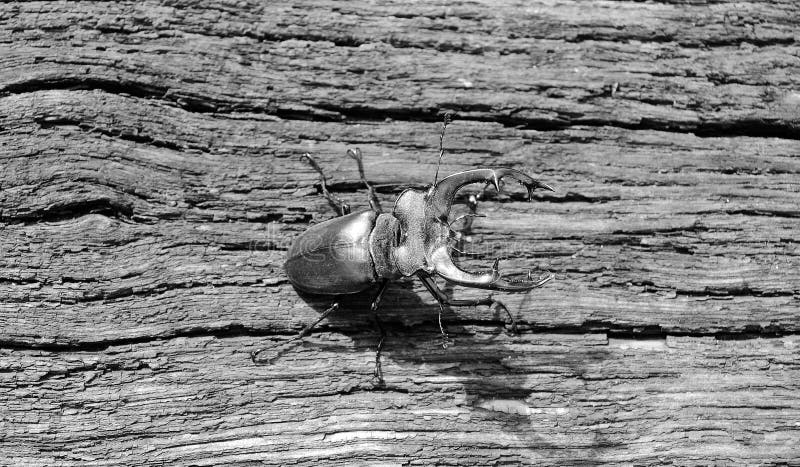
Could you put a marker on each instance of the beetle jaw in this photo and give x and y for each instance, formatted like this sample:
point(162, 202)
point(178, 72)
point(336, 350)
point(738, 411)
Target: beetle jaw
point(425, 232)
point(492, 279)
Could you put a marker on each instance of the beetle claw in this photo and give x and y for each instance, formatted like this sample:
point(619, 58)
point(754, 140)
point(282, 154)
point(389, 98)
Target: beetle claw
point(506, 283)
point(495, 182)
point(355, 154)
point(532, 187)
point(544, 186)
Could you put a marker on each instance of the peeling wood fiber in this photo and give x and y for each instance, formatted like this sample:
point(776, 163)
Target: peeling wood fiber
point(150, 185)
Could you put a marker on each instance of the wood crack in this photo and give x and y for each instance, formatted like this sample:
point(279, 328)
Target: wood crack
point(398, 330)
point(114, 208)
point(759, 127)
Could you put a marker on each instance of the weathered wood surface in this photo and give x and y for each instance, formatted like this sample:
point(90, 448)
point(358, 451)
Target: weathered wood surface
point(150, 185)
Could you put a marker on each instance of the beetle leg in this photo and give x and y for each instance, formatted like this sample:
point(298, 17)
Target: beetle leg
point(446, 341)
point(374, 309)
point(443, 299)
point(373, 198)
point(306, 331)
point(341, 207)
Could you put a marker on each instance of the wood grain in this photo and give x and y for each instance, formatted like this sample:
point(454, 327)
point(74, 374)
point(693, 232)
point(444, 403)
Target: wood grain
point(544, 398)
point(150, 184)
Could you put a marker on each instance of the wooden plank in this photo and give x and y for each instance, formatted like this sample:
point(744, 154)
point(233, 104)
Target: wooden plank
point(197, 59)
point(150, 184)
point(653, 230)
point(545, 399)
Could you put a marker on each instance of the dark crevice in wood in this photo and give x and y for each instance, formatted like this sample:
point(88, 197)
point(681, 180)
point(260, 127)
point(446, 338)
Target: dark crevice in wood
point(728, 292)
point(397, 330)
point(231, 330)
point(751, 128)
point(540, 196)
point(128, 292)
point(747, 127)
point(252, 245)
point(696, 227)
point(80, 209)
point(70, 210)
point(20, 281)
point(145, 91)
point(707, 42)
point(46, 123)
point(739, 170)
point(331, 113)
point(123, 87)
point(764, 212)
point(351, 41)
point(569, 197)
point(711, 293)
point(656, 331)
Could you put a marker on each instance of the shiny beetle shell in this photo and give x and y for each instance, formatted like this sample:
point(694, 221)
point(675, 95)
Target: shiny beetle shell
point(342, 255)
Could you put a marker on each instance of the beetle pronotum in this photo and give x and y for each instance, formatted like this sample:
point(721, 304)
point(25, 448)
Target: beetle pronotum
point(356, 251)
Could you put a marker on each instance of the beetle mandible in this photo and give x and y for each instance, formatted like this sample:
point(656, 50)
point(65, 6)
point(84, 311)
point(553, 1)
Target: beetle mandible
point(356, 251)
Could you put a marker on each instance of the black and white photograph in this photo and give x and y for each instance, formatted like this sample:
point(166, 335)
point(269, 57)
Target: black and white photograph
point(400, 233)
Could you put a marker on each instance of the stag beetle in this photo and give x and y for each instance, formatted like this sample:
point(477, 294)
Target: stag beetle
point(355, 251)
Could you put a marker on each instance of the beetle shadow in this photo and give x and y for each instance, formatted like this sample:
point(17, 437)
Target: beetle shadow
point(497, 391)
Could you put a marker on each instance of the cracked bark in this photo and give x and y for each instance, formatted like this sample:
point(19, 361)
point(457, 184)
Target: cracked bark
point(150, 186)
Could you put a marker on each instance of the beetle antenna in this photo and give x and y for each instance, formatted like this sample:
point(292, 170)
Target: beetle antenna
point(448, 117)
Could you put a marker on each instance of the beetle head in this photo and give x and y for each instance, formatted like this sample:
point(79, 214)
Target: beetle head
point(424, 233)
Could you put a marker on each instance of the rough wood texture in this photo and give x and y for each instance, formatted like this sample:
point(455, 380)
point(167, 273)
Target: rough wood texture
point(150, 185)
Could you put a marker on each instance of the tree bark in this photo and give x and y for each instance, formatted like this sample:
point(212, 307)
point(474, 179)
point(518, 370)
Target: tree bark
point(150, 185)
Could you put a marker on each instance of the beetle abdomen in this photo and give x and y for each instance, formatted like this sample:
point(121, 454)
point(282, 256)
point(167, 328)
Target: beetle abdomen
point(333, 257)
